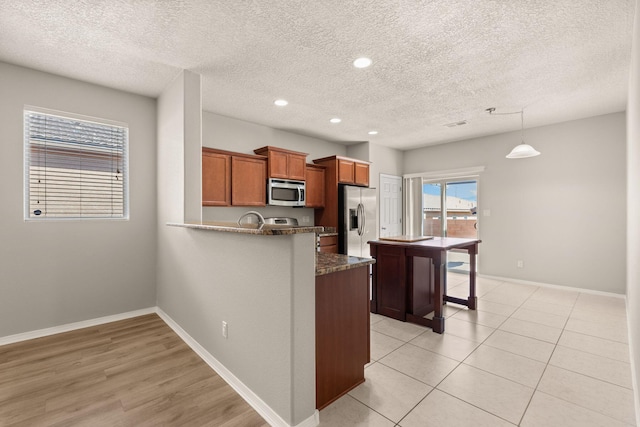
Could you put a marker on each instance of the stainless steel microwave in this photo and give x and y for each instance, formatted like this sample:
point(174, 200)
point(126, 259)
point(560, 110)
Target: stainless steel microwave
point(285, 192)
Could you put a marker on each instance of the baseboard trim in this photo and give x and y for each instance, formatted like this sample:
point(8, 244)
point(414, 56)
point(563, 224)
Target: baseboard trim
point(245, 392)
point(548, 285)
point(10, 339)
point(634, 372)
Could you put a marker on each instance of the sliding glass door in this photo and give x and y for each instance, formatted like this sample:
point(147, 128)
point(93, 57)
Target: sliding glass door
point(449, 209)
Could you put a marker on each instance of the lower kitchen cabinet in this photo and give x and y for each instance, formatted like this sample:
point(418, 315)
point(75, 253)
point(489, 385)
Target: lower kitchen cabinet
point(342, 332)
point(328, 244)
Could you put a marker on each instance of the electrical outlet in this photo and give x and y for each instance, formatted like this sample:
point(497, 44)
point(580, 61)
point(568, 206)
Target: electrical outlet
point(520, 264)
point(225, 330)
point(305, 219)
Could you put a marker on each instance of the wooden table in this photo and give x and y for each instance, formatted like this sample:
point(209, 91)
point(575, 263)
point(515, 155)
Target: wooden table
point(409, 278)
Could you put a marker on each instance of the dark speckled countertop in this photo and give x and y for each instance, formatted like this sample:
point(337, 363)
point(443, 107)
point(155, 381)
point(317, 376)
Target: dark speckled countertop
point(328, 231)
point(330, 263)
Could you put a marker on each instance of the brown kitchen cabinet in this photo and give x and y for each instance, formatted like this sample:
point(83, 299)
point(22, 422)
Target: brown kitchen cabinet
point(354, 172)
point(361, 174)
point(216, 178)
point(248, 181)
point(315, 186)
point(339, 170)
point(285, 164)
point(342, 332)
point(328, 244)
point(233, 179)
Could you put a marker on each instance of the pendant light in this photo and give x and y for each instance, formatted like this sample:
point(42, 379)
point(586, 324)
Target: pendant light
point(522, 150)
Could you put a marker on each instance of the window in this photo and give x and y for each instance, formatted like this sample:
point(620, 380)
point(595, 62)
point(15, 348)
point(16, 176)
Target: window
point(74, 167)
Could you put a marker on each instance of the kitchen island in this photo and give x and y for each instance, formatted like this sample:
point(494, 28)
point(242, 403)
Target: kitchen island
point(409, 278)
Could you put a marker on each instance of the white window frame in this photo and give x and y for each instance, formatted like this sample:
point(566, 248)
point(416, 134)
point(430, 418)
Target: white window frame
point(28, 110)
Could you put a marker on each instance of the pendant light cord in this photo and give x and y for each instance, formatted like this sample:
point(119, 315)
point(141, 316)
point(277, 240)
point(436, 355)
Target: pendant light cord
point(492, 111)
point(522, 125)
point(522, 150)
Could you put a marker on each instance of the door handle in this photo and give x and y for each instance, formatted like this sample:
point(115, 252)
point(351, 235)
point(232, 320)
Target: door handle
point(360, 219)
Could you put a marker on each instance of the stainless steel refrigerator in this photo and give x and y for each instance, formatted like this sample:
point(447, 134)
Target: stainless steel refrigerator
point(356, 220)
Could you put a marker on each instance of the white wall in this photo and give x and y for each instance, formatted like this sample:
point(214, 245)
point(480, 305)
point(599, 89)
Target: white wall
point(59, 272)
point(385, 160)
point(563, 213)
point(633, 207)
point(263, 286)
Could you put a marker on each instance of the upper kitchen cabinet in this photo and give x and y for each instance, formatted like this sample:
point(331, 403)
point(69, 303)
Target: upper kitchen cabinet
point(315, 186)
point(284, 164)
point(338, 170)
point(216, 178)
point(248, 181)
point(350, 171)
point(233, 179)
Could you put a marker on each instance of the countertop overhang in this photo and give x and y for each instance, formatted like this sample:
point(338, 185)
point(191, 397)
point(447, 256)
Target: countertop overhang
point(232, 227)
point(327, 263)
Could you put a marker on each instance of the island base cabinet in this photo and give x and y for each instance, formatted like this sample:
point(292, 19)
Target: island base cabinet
point(402, 285)
point(389, 282)
point(422, 299)
point(342, 332)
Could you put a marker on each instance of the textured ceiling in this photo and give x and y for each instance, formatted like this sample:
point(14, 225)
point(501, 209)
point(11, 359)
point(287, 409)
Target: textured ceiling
point(434, 62)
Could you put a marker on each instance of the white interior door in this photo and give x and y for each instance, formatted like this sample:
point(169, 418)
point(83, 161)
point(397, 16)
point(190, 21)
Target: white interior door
point(390, 205)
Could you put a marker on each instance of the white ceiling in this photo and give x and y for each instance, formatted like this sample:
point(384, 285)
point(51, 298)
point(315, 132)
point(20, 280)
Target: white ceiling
point(434, 61)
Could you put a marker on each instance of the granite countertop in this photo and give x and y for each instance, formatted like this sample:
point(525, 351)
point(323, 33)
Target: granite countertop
point(327, 234)
point(232, 227)
point(328, 231)
point(327, 263)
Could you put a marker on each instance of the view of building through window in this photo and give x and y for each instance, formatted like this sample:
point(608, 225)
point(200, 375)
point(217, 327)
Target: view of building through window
point(74, 168)
point(459, 212)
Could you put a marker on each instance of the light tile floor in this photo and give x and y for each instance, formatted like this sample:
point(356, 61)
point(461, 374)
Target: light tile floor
point(529, 356)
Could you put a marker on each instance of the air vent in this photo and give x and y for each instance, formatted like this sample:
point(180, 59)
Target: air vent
point(454, 124)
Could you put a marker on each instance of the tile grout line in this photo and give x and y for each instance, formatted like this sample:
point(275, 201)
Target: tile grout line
point(535, 389)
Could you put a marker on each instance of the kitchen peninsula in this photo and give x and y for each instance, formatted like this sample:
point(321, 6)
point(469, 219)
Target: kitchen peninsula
point(342, 324)
point(409, 277)
point(341, 304)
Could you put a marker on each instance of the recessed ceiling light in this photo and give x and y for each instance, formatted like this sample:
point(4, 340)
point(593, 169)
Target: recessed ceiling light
point(335, 120)
point(373, 132)
point(280, 102)
point(362, 62)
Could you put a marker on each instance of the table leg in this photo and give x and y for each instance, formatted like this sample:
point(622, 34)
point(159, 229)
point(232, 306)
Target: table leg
point(473, 299)
point(439, 269)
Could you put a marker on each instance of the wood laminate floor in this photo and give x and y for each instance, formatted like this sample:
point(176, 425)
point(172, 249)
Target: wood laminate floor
point(135, 372)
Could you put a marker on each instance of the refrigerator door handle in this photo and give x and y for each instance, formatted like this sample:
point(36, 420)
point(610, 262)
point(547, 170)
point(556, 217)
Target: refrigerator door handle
point(361, 219)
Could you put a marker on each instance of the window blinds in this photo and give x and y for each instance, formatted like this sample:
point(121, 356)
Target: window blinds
point(75, 168)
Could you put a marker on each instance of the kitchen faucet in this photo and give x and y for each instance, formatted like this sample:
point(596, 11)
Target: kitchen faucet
point(256, 214)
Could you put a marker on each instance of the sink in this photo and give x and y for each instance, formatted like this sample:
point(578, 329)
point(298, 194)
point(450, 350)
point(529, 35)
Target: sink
point(250, 213)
